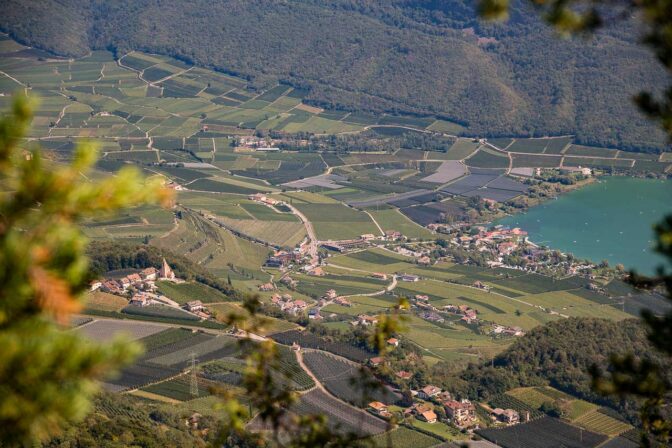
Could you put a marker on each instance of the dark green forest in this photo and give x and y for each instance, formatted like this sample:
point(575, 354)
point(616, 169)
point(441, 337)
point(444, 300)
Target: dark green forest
point(425, 57)
point(561, 354)
point(122, 421)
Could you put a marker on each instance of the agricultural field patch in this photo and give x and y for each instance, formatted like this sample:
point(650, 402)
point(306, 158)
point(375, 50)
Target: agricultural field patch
point(281, 232)
point(99, 300)
point(461, 149)
point(393, 220)
point(185, 292)
point(601, 423)
point(180, 388)
point(536, 161)
point(341, 417)
point(403, 437)
point(106, 330)
point(309, 340)
point(529, 145)
point(541, 433)
point(591, 151)
point(345, 380)
point(336, 221)
point(487, 158)
point(448, 171)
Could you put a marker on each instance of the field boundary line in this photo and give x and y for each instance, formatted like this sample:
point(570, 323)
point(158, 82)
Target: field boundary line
point(382, 232)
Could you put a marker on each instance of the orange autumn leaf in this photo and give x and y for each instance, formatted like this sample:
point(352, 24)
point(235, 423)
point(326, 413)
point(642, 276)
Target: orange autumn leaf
point(53, 295)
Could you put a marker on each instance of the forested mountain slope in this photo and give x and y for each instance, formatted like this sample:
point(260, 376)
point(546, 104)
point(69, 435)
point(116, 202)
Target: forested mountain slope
point(419, 56)
point(561, 354)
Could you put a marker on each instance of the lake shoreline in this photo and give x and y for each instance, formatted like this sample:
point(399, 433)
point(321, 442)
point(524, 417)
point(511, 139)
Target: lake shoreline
point(593, 221)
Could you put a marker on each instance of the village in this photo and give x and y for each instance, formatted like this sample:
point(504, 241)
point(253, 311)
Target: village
point(141, 290)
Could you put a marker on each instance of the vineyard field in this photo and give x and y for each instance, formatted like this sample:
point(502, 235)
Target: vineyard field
point(309, 340)
point(543, 433)
point(346, 380)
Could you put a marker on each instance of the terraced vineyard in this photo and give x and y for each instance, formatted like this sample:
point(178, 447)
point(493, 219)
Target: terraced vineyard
point(601, 423)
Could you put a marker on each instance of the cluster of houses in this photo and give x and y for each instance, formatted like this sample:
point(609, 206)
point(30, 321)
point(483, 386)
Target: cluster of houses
point(140, 281)
point(461, 413)
point(283, 258)
point(295, 307)
point(365, 320)
point(429, 312)
point(507, 331)
point(254, 143)
point(266, 287)
point(287, 304)
point(500, 241)
point(468, 314)
point(260, 197)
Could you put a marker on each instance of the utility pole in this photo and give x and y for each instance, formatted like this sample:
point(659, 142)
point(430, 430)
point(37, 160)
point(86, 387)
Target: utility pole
point(193, 387)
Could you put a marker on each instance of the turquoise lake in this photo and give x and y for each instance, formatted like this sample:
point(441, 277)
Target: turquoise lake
point(610, 219)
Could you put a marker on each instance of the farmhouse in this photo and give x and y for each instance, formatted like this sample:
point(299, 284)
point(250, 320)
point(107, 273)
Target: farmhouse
point(393, 235)
point(134, 278)
point(480, 285)
point(428, 392)
point(428, 416)
point(462, 413)
point(289, 281)
point(267, 287)
point(95, 285)
point(193, 306)
point(424, 260)
point(419, 408)
point(432, 316)
point(330, 294)
point(379, 275)
point(149, 273)
point(112, 286)
point(342, 301)
point(409, 278)
point(140, 300)
point(378, 408)
point(404, 375)
point(366, 320)
point(317, 272)
point(394, 342)
point(376, 361)
point(508, 416)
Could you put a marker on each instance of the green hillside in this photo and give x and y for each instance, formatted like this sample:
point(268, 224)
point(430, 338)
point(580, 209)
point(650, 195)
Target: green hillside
point(423, 57)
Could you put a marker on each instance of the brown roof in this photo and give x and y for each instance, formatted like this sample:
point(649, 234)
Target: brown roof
point(377, 405)
point(429, 415)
